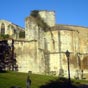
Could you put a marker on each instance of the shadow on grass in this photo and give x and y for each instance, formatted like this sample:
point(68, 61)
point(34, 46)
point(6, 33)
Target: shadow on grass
point(3, 71)
point(83, 86)
point(59, 83)
point(15, 87)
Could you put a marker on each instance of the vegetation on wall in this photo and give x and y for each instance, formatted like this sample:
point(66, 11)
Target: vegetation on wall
point(4, 36)
point(40, 22)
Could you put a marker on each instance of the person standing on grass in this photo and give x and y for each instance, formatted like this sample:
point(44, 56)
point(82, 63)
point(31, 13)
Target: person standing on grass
point(28, 82)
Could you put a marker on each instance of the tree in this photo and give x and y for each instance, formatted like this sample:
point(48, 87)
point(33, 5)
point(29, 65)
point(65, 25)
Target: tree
point(6, 60)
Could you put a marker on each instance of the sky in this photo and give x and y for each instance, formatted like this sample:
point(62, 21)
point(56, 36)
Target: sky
point(71, 12)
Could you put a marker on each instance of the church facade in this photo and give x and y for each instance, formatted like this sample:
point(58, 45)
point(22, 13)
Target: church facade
point(43, 49)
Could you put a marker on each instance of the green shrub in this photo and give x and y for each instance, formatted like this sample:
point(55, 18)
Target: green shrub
point(4, 36)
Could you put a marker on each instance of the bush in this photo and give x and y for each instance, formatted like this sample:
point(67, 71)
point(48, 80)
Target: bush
point(4, 36)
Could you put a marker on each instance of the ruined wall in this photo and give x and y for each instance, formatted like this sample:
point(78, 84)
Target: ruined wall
point(48, 17)
point(52, 44)
point(36, 33)
point(83, 37)
point(6, 23)
point(11, 29)
point(74, 39)
point(57, 43)
point(46, 52)
point(43, 51)
point(26, 56)
point(83, 46)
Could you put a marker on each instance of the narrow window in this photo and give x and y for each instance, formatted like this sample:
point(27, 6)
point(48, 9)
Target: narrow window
point(2, 28)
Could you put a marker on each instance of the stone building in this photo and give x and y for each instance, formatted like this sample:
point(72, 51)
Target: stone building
point(8, 28)
point(43, 49)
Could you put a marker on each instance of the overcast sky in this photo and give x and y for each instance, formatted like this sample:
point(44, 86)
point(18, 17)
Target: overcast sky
point(72, 12)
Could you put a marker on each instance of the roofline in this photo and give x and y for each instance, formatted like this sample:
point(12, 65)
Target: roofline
point(72, 25)
point(12, 23)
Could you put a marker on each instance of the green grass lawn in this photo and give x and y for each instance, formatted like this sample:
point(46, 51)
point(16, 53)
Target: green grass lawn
point(9, 79)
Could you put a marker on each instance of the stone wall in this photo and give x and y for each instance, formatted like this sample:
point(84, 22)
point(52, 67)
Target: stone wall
point(11, 29)
point(52, 44)
point(26, 56)
point(48, 17)
point(57, 43)
point(46, 53)
point(43, 51)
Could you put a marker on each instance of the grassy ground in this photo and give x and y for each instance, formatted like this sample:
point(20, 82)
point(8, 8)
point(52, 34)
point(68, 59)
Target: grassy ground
point(9, 79)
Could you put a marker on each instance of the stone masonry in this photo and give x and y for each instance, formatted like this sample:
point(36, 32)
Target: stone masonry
point(43, 49)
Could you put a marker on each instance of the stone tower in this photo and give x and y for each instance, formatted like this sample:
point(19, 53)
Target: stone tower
point(36, 26)
point(48, 17)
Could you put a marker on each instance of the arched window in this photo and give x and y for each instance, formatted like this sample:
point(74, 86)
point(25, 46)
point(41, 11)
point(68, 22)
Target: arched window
point(2, 28)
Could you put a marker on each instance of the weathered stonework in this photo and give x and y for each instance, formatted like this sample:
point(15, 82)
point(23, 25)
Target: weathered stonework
point(43, 49)
point(7, 27)
point(48, 17)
